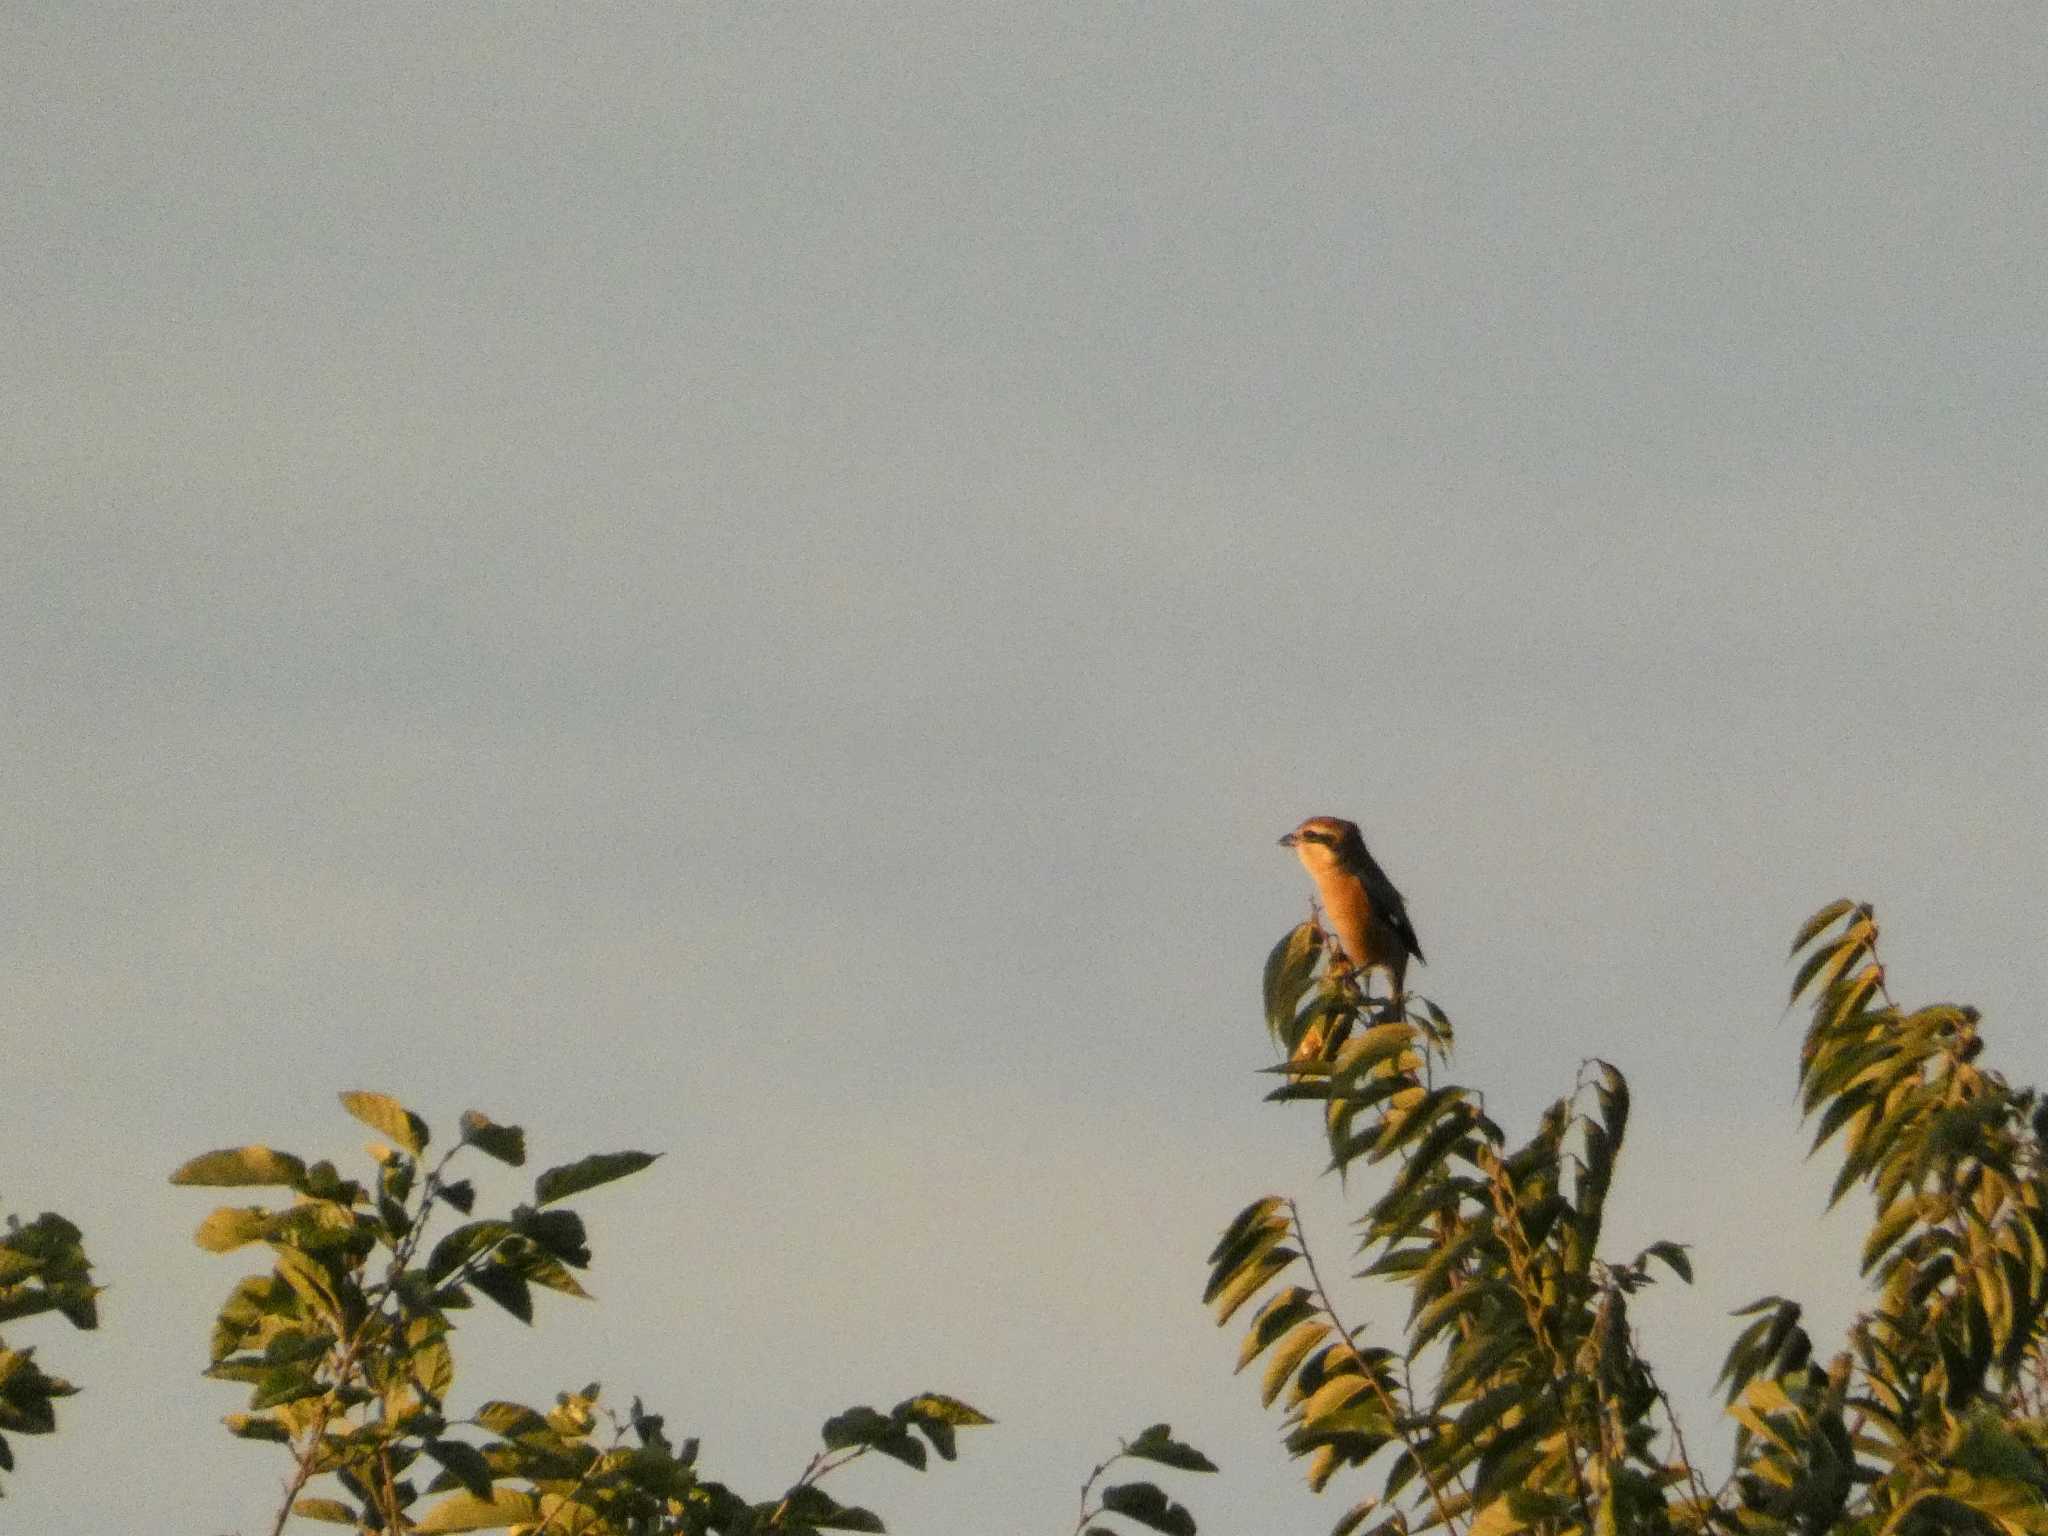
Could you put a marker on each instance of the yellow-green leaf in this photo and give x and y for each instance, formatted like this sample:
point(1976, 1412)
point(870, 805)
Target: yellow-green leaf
point(230, 1226)
point(242, 1165)
point(381, 1112)
point(464, 1511)
point(331, 1510)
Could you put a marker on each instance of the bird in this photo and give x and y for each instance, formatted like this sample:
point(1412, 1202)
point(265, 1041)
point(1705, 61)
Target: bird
point(1365, 912)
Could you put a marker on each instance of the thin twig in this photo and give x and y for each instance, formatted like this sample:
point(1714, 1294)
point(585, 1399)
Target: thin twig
point(1088, 1487)
point(1710, 1507)
point(1372, 1379)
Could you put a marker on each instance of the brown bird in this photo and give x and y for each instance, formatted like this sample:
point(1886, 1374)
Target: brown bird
point(1365, 912)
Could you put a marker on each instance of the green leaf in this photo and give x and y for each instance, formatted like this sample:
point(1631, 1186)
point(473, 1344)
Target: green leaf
point(1250, 1246)
point(1250, 1280)
point(1292, 1350)
point(937, 1407)
point(242, 1166)
point(465, 1463)
point(938, 1415)
point(463, 1244)
point(465, 1511)
point(285, 1385)
point(809, 1505)
point(250, 1426)
point(559, 1232)
point(1812, 927)
point(311, 1282)
point(856, 1426)
point(517, 1422)
point(1276, 1315)
point(1157, 1444)
point(430, 1365)
point(1673, 1255)
point(1288, 969)
point(1827, 962)
point(587, 1173)
point(507, 1143)
point(1890, 1227)
point(332, 1511)
point(879, 1431)
point(1150, 1507)
point(1258, 1211)
point(507, 1289)
point(380, 1112)
point(540, 1269)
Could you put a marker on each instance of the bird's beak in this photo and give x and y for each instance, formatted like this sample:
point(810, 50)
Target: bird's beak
point(1288, 841)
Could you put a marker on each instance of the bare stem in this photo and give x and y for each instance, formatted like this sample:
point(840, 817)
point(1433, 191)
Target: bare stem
point(1088, 1487)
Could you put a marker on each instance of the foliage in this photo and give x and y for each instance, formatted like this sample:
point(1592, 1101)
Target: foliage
point(345, 1346)
point(1514, 1399)
point(43, 1268)
point(1142, 1503)
point(1517, 1399)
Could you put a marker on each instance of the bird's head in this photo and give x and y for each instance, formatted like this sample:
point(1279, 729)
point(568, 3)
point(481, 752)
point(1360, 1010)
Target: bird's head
point(1324, 842)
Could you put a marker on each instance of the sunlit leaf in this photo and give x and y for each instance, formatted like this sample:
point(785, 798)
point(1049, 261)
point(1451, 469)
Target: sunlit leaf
point(230, 1226)
point(380, 1112)
point(242, 1166)
point(465, 1511)
point(332, 1511)
point(1812, 928)
point(1287, 1355)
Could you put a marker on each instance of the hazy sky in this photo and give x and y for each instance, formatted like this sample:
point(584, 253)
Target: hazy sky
point(759, 582)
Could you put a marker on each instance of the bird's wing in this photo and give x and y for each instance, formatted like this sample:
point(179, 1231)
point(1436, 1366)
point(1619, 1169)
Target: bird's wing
point(1388, 906)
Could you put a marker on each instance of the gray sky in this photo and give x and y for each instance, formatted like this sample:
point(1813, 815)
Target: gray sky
point(760, 582)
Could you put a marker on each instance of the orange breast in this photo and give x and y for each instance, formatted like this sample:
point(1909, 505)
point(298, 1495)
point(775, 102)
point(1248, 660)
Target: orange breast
point(1366, 940)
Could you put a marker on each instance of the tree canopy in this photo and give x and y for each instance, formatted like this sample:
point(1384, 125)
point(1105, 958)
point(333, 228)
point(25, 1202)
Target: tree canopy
point(1513, 1398)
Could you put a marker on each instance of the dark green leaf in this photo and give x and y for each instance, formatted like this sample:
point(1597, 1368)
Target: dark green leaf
point(1147, 1504)
point(465, 1463)
point(507, 1289)
point(507, 1143)
point(463, 1244)
point(587, 1173)
point(287, 1384)
point(1157, 1444)
point(1673, 1255)
point(809, 1505)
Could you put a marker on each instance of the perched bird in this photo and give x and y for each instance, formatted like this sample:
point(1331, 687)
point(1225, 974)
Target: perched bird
point(1365, 912)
